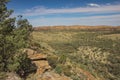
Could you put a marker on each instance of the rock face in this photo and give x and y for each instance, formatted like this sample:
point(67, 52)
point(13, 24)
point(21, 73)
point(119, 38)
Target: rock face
point(40, 60)
point(43, 68)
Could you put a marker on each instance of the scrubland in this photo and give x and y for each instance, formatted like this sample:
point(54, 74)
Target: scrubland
point(81, 53)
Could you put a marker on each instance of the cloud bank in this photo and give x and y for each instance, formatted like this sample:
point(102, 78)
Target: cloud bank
point(91, 20)
point(36, 11)
point(38, 15)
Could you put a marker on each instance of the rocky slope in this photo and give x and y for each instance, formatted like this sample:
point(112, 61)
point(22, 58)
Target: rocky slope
point(44, 71)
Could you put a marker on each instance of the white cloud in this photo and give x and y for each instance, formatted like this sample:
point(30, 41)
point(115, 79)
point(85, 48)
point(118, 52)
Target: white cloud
point(86, 20)
point(93, 5)
point(91, 20)
point(45, 11)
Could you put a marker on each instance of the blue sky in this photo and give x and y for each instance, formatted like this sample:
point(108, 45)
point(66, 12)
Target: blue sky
point(68, 12)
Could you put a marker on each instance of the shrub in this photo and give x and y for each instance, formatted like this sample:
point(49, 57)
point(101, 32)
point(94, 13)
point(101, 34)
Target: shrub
point(53, 60)
point(59, 69)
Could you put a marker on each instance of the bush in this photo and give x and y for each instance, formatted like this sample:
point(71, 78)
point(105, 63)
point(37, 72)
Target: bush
point(13, 39)
point(53, 60)
point(59, 69)
point(25, 65)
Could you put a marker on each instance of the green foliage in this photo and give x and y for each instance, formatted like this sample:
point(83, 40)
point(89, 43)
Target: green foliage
point(25, 66)
point(12, 41)
point(6, 30)
point(62, 59)
point(58, 69)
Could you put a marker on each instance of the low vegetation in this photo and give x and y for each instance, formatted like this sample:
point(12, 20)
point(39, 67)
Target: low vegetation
point(80, 54)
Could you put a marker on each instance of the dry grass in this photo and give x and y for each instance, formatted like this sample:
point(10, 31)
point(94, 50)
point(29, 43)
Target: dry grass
point(53, 37)
point(93, 54)
point(110, 36)
point(76, 27)
point(93, 51)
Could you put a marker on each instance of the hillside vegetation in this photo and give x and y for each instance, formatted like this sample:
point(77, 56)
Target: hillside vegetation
point(82, 54)
point(73, 52)
point(14, 37)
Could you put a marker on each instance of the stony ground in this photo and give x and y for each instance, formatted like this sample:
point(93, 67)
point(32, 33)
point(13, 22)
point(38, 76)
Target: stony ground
point(44, 71)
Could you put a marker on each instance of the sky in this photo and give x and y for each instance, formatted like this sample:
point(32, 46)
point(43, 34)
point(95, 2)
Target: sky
point(68, 12)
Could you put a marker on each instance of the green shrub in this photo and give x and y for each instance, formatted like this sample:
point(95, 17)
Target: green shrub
point(59, 69)
point(62, 59)
point(53, 60)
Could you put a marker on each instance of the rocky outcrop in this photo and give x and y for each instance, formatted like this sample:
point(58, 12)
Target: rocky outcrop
point(43, 68)
point(40, 60)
